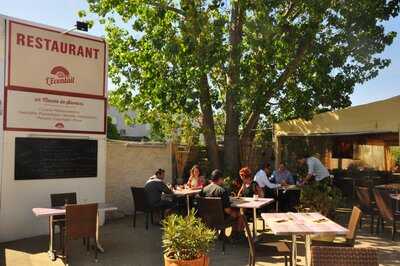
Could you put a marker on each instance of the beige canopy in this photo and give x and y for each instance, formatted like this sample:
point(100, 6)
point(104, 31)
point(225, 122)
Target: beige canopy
point(377, 117)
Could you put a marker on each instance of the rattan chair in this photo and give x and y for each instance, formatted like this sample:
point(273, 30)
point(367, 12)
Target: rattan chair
point(264, 249)
point(80, 223)
point(343, 256)
point(350, 236)
point(387, 209)
point(140, 204)
point(367, 205)
point(212, 213)
point(60, 200)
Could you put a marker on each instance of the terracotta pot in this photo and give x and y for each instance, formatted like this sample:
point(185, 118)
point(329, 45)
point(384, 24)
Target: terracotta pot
point(202, 261)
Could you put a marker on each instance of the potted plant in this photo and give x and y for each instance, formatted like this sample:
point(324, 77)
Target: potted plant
point(186, 241)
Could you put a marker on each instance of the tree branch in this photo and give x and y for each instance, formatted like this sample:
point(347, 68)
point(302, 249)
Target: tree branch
point(169, 8)
point(304, 45)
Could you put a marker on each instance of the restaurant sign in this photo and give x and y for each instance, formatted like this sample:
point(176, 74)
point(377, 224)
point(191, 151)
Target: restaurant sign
point(44, 59)
point(55, 81)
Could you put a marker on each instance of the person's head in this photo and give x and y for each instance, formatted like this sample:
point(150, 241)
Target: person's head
point(195, 171)
point(160, 174)
point(245, 175)
point(267, 167)
point(217, 177)
point(281, 166)
point(303, 157)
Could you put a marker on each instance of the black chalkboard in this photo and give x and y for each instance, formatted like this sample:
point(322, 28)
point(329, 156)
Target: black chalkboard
point(43, 158)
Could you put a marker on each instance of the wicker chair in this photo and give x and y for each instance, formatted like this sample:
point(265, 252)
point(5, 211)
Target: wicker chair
point(343, 256)
point(140, 205)
point(386, 207)
point(59, 200)
point(212, 213)
point(367, 205)
point(264, 249)
point(350, 236)
point(80, 222)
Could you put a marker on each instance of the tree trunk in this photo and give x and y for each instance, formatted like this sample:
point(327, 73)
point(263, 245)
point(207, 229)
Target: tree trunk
point(248, 134)
point(247, 138)
point(231, 137)
point(208, 124)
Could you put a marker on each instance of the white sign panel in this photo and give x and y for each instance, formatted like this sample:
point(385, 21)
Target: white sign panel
point(48, 60)
point(29, 111)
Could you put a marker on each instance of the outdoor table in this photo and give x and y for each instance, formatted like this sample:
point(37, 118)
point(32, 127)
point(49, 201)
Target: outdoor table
point(187, 192)
point(250, 203)
point(302, 224)
point(50, 212)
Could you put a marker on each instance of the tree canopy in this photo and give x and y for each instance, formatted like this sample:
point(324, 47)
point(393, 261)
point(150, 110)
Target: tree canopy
point(189, 62)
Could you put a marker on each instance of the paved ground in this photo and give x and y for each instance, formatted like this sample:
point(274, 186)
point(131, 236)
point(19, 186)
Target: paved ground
point(128, 247)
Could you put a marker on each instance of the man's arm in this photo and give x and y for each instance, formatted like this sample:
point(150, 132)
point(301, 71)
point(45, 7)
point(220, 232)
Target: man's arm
point(271, 185)
point(310, 171)
point(166, 189)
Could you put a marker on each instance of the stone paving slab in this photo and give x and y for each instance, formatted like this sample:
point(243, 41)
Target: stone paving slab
point(126, 246)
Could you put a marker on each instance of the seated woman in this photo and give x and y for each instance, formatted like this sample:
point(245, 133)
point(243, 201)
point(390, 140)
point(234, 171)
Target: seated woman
point(249, 187)
point(195, 179)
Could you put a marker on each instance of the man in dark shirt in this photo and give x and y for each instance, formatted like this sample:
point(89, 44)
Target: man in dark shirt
point(215, 189)
point(155, 187)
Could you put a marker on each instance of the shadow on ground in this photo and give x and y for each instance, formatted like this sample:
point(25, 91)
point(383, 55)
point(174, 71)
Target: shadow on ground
point(125, 246)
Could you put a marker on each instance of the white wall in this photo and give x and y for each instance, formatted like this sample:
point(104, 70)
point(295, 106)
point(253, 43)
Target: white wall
point(18, 197)
point(131, 164)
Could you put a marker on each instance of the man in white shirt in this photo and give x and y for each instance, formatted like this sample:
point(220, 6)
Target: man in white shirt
point(316, 169)
point(262, 179)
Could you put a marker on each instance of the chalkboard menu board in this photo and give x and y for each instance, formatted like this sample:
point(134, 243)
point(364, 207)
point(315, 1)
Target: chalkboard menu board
point(43, 158)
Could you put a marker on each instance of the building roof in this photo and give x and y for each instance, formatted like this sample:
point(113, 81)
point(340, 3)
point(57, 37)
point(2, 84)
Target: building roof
point(376, 117)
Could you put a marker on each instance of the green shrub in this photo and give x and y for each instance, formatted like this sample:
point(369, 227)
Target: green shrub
point(186, 238)
point(112, 131)
point(320, 197)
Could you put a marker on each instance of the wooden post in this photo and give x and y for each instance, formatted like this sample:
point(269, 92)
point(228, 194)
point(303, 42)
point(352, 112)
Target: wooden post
point(277, 143)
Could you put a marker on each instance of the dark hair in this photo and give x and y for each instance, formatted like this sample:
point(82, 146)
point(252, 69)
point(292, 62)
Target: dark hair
point(216, 174)
point(304, 155)
point(160, 171)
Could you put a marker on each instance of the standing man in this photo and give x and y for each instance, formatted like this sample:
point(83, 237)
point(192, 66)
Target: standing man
point(316, 170)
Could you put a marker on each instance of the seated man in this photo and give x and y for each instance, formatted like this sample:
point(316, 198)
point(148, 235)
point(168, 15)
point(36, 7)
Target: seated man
point(155, 188)
point(287, 200)
point(282, 175)
point(215, 189)
point(263, 181)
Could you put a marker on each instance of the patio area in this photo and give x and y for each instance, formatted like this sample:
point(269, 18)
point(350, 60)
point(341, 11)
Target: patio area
point(137, 247)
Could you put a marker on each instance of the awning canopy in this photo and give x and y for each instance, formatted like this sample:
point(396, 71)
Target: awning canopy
point(377, 117)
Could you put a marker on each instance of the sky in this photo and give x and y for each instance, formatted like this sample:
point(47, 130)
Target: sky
point(64, 13)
